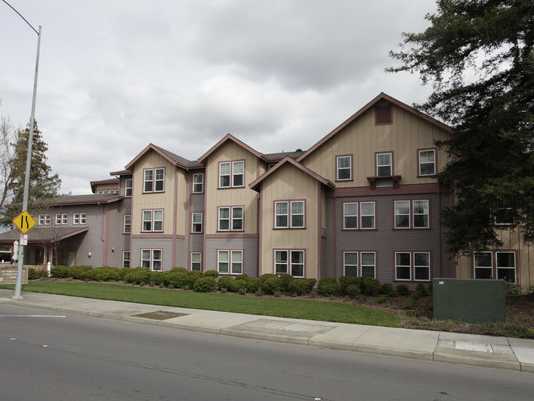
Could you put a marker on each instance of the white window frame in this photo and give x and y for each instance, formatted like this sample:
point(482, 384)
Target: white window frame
point(289, 264)
point(232, 174)
point(338, 158)
point(490, 267)
point(345, 215)
point(152, 220)
point(62, 219)
point(361, 265)
point(390, 165)
point(45, 220)
point(427, 202)
point(199, 261)
point(497, 267)
point(362, 215)
point(124, 258)
point(230, 262)
point(505, 224)
point(231, 218)
point(420, 163)
point(128, 187)
point(79, 218)
point(152, 259)
point(409, 266)
point(395, 214)
point(154, 180)
point(345, 264)
point(234, 162)
point(193, 223)
point(429, 266)
point(198, 179)
point(221, 164)
point(303, 214)
point(276, 214)
point(127, 225)
point(275, 263)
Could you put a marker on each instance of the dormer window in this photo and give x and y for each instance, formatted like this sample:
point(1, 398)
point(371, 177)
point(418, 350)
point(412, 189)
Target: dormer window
point(384, 164)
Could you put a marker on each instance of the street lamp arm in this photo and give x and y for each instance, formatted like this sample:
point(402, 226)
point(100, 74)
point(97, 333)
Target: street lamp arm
point(21, 16)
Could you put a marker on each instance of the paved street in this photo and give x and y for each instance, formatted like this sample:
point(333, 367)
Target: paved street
point(84, 358)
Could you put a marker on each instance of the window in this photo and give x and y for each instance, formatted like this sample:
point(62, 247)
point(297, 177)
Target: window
point(427, 162)
point(196, 261)
point(289, 214)
point(384, 164)
point(483, 265)
point(230, 218)
point(368, 264)
point(151, 259)
point(196, 222)
point(198, 183)
point(383, 113)
point(403, 266)
point(505, 264)
point(421, 266)
point(503, 216)
point(350, 264)
point(79, 218)
point(350, 215)
point(344, 168)
point(153, 220)
point(128, 188)
point(421, 210)
point(232, 174)
point(127, 224)
point(44, 220)
point(125, 258)
point(230, 261)
point(289, 262)
point(402, 214)
point(62, 218)
point(367, 215)
point(281, 214)
point(153, 180)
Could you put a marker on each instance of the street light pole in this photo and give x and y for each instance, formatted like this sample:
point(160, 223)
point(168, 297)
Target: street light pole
point(20, 260)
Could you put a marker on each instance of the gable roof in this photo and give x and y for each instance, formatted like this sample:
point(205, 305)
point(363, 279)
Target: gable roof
point(364, 109)
point(276, 157)
point(255, 184)
point(238, 142)
point(171, 157)
point(78, 200)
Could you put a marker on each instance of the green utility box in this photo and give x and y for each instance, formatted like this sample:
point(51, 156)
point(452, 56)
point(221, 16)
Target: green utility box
point(473, 301)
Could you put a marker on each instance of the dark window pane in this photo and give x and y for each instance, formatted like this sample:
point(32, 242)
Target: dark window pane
point(368, 271)
point(343, 174)
point(368, 221)
point(403, 272)
point(482, 274)
point(351, 222)
point(428, 169)
point(351, 271)
point(297, 220)
point(281, 221)
point(224, 224)
point(238, 180)
point(159, 185)
point(506, 275)
point(225, 181)
point(237, 224)
point(422, 273)
point(505, 259)
point(297, 270)
point(402, 221)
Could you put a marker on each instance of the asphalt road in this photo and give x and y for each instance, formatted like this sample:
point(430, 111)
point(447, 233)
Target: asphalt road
point(79, 358)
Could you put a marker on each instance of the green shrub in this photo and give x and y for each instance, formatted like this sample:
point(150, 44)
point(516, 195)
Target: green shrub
point(179, 270)
point(205, 284)
point(345, 282)
point(353, 290)
point(106, 274)
point(211, 273)
point(251, 283)
point(35, 274)
point(270, 285)
point(137, 276)
point(403, 290)
point(284, 282)
point(421, 291)
point(182, 279)
point(370, 287)
point(60, 272)
point(158, 279)
point(388, 289)
point(301, 286)
point(328, 287)
point(228, 283)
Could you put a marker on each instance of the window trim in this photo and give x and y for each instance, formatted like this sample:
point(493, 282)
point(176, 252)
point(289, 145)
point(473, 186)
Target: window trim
point(412, 212)
point(429, 266)
point(230, 218)
point(345, 228)
point(231, 262)
point(497, 268)
point(384, 165)
point(44, 218)
point(124, 259)
point(193, 222)
point(490, 268)
point(78, 216)
point(350, 156)
point(360, 215)
point(151, 267)
point(502, 224)
point(289, 264)
point(154, 180)
point(345, 263)
point(152, 230)
point(395, 201)
point(360, 266)
point(191, 260)
point(201, 175)
point(275, 224)
point(232, 174)
point(289, 214)
point(130, 187)
point(419, 172)
point(63, 219)
point(124, 224)
point(410, 266)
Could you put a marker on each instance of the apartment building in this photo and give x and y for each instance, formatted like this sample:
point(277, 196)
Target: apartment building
point(362, 201)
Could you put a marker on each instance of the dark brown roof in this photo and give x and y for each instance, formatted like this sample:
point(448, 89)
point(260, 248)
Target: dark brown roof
point(108, 181)
point(230, 137)
point(255, 184)
point(171, 157)
point(381, 96)
point(68, 200)
point(121, 172)
point(276, 157)
point(44, 234)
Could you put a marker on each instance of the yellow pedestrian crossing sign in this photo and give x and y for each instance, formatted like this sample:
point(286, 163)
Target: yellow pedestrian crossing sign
point(24, 222)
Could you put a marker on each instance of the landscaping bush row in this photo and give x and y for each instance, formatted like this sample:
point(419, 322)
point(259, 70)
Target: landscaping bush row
point(355, 286)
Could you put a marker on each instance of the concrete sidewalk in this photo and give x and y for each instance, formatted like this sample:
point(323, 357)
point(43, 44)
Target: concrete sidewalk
point(497, 352)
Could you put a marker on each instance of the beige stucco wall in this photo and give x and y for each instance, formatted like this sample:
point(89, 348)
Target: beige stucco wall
point(363, 138)
point(512, 241)
point(246, 197)
point(286, 184)
point(163, 200)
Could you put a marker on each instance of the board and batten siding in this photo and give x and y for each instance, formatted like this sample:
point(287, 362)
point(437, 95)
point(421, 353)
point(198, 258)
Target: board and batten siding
point(286, 184)
point(362, 138)
point(244, 196)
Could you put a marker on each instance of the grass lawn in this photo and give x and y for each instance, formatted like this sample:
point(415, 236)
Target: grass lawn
point(310, 309)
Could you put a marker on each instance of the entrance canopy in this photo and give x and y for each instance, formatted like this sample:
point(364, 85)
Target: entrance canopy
point(43, 235)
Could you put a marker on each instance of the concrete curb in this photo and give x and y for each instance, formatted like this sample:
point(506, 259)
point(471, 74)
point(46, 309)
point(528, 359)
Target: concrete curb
point(385, 351)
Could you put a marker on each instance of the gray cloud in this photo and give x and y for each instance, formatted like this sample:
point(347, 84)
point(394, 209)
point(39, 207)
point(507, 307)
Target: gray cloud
point(117, 75)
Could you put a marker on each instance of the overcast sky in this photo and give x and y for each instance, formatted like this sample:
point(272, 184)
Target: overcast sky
point(116, 75)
